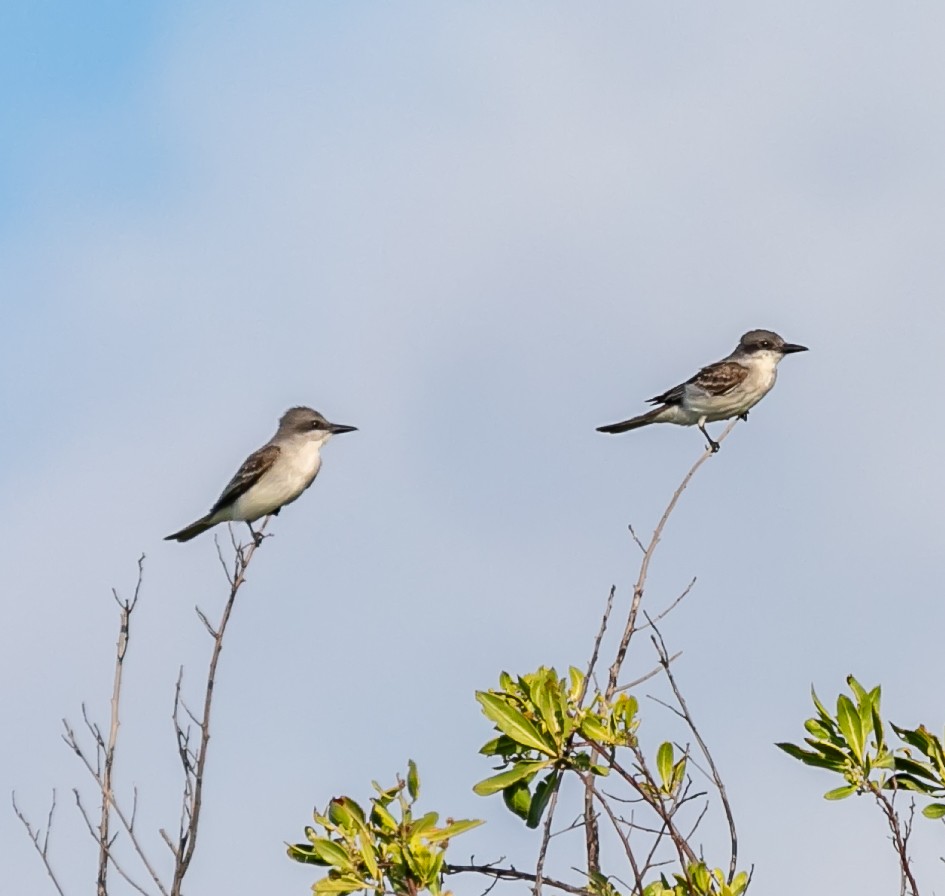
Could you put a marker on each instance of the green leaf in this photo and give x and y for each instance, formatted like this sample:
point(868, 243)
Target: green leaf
point(927, 743)
point(517, 799)
point(577, 682)
point(332, 853)
point(546, 699)
point(700, 877)
point(346, 883)
point(840, 793)
point(858, 690)
point(453, 830)
point(879, 734)
point(627, 706)
point(593, 729)
point(679, 773)
point(821, 709)
point(664, 764)
point(830, 752)
point(513, 723)
point(907, 782)
point(796, 752)
point(850, 725)
point(543, 792)
point(865, 705)
point(413, 779)
point(518, 772)
point(934, 810)
point(368, 854)
point(382, 818)
point(913, 767)
point(423, 823)
point(346, 813)
point(302, 852)
point(385, 795)
point(822, 731)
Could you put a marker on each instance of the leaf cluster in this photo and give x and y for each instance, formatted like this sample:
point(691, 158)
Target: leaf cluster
point(699, 880)
point(545, 731)
point(388, 849)
point(852, 742)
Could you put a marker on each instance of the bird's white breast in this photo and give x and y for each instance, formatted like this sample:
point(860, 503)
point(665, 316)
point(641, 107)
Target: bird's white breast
point(293, 472)
point(762, 373)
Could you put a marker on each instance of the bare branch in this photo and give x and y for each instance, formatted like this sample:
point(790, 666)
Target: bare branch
point(660, 645)
point(194, 761)
point(104, 761)
point(640, 585)
point(36, 835)
point(107, 751)
point(651, 674)
point(545, 838)
point(673, 605)
point(515, 874)
point(597, 641)
point(900, 837)
point(94, 833)
point(624, 839)
point(636, 538)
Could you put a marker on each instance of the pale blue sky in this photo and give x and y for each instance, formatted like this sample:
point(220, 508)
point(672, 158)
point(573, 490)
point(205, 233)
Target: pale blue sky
point(476, 231)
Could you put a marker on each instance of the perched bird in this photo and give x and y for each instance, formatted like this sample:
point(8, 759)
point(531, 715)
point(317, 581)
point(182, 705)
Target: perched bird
point(273, 476)
point(728, 388)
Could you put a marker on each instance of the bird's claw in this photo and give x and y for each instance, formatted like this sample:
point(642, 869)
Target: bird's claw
point(257, 536)
point(743, 416)
point(713, 446)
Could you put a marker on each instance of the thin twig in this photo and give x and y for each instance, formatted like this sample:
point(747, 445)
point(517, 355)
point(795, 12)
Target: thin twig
point(645, 565)
point(125, 608)
point(109, 855)
point(515, 874)
point(636, 538)
point(637, 876)
point(546, 837)
point(36, 835)
point(673, 605)
point(70, 738)
point(597, 642)
point(900, 836)
point(660, 645)
point(651, 674)
point(194, 763)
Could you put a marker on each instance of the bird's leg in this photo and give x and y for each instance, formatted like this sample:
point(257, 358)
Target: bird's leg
point(257, 536)
point(743, 416)
point(712, 443)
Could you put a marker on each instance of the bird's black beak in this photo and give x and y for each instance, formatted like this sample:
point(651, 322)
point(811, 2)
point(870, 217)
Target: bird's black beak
point(789, 348)
point(336, 428)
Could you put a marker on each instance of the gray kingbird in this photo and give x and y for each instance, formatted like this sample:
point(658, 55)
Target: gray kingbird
point(273, 476)
point(728, 388)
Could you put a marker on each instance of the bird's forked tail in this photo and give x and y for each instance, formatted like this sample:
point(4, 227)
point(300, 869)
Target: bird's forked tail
point(192, 531)
point(634, 423)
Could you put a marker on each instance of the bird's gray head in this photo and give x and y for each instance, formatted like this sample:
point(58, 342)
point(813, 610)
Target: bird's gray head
point(305, 421)
point(757, 341)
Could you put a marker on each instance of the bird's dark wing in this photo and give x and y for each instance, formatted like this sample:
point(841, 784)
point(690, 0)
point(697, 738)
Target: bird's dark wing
point(247, 475)
point(670, 396)
point(720, 378)
point(716, 379)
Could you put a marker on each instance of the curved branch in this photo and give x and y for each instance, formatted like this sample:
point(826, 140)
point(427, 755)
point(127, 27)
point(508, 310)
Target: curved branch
point(645, 564)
